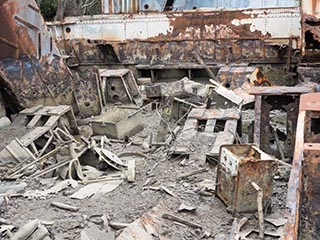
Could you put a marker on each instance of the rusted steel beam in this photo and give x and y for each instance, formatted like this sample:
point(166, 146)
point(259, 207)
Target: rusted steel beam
point(303, 193)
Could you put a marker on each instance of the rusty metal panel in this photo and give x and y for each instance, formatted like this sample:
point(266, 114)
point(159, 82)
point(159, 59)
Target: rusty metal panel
point(238, 166)
point(220, 36)
point(246, 24)
point(23, 31)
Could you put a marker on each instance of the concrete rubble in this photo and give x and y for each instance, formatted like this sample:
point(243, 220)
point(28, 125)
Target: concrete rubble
point(160, 120)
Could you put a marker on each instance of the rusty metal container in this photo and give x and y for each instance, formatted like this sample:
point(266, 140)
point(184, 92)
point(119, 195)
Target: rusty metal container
point(238, 166)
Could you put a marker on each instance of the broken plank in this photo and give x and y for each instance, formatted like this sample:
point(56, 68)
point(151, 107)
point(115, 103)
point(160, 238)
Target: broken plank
point(166, 190)
point(181, 220)
point(34, 121)
point(65, 206)
point(194, 172)
point(49, 154)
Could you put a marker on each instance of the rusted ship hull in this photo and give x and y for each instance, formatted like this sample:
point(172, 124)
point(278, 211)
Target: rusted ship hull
point(31, 70)
point(250, 35)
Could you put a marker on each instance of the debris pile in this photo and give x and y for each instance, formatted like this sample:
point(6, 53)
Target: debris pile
point(184, 123)
point(152, 122)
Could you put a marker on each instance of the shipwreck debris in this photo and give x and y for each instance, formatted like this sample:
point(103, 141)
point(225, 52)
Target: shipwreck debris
point(118, 123)
point(239, 165)
point(303, 193)
point(268, 99)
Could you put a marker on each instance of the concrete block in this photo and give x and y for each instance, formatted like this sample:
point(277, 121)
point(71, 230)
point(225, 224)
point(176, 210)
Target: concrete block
point(118, 123)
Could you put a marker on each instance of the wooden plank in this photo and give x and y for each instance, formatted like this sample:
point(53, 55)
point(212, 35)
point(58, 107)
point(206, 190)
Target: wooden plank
point(278, 90)
point(52, 121)
point(210, 125)
point(225, 137)
point(30, 137)
point(59, 110)
point(257, 121)
point(18, 150)
point(34, 121)
point(31, 111)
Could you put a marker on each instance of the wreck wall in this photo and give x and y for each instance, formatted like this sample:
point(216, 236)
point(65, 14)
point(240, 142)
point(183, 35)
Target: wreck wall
point(220, 36)
point(31, 69)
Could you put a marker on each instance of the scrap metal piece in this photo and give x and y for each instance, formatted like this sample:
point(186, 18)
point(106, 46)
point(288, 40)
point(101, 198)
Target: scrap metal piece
point(303, 191)
point(119, 85)
point(238, 166)
point(218, 36)
point(276, 98)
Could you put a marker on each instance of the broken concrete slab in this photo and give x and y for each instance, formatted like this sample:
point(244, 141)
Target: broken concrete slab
point(118, 123)
point(238, 166)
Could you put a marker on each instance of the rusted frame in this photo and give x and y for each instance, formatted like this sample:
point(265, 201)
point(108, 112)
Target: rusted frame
point(308, 102)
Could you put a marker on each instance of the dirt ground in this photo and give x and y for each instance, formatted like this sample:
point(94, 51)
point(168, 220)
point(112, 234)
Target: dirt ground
point(130, 201)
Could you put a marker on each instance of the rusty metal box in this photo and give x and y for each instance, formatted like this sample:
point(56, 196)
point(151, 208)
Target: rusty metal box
point(238, 166)
point(118, 123)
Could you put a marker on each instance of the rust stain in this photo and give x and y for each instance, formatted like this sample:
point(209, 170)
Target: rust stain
point(13, 33)
point(213, 26)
